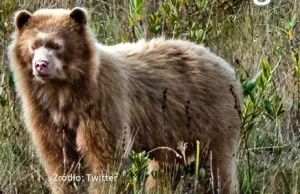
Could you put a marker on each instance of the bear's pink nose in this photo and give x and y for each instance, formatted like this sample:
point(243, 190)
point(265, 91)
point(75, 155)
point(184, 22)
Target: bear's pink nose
point(41, 66)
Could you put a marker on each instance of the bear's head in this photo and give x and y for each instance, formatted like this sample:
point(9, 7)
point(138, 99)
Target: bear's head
point(54, 44)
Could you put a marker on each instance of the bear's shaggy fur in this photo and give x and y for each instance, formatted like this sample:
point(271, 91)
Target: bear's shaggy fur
point(147, 94)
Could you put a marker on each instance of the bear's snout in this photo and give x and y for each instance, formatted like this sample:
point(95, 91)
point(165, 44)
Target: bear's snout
point(42, 63)
point(41, 66)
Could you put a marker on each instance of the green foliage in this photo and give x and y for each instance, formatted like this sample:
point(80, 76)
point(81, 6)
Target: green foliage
point(135, 16)
point(136, 174)
point(136, 7)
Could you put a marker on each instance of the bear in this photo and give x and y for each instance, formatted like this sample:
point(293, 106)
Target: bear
point(79, 98)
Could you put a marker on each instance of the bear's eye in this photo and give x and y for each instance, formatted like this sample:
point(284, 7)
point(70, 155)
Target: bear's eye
point(53, 45)
point(36, 44)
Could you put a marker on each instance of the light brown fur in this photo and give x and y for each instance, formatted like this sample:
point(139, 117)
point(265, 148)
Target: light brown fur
point(164, 91)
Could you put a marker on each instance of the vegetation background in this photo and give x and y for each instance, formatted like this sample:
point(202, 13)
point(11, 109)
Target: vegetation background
point(262, 43)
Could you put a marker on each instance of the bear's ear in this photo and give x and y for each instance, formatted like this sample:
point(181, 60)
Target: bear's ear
point(79, 15)
point(21, 18)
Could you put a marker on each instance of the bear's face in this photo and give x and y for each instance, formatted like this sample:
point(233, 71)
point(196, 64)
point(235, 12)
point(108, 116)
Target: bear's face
point(53, 45)
point(46, 61)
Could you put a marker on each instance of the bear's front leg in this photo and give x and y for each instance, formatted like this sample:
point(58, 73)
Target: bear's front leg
point(57, 150)
point(93, 143)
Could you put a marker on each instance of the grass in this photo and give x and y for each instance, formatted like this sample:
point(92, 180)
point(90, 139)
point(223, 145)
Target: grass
point(260, 42)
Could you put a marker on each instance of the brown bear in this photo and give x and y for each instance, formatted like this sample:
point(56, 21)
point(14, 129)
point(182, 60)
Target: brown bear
point(80, 97)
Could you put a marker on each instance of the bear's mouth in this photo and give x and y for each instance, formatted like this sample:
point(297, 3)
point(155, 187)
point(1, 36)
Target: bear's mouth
point(43, 75)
